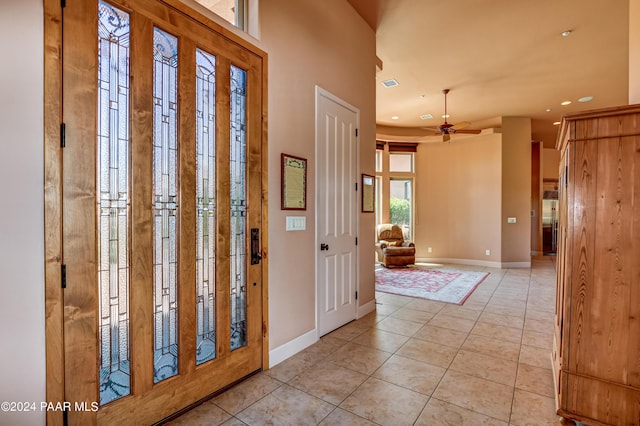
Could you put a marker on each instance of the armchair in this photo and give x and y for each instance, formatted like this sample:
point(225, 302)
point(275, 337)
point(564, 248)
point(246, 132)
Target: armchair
point(391, 248)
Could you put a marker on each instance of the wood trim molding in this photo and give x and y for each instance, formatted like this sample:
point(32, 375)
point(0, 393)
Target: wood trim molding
point(53, 208)
point(265, 215)
point(54, 256)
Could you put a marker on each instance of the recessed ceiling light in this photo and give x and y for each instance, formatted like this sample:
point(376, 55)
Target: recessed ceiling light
point(392, 82)
point(555, 123)
point(565, 103)
point(395, 117)
point(422, 96)
point(426, 116)
point(548, 110)
point(566, 33)
point(446, 116)
point(585, 99)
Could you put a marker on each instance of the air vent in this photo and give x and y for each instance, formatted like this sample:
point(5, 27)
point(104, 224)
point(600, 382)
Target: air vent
point(426, 116)
point(390, 83)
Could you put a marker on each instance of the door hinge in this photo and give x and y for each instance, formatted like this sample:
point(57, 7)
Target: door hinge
point(63, 275)
point(356, 240)
point(356, 131)
point(356, 186)
point(356, 295)
point(63, 134)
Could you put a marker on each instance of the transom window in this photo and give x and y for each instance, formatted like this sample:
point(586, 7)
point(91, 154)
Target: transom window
point(233, 11)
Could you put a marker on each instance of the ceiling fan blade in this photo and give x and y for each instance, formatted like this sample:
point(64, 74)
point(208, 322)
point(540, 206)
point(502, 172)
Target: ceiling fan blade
point(469, 131)
point(433, 130)
point(461, 125)
point(404, 134)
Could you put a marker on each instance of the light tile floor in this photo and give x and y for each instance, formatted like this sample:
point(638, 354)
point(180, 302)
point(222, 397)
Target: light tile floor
point(415, 362)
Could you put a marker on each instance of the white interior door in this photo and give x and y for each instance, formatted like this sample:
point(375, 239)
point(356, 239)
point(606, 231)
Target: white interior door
point(337, 208)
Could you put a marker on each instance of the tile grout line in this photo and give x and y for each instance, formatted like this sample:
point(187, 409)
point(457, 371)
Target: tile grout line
point(325, 357)
point(460, 347)
point(457, 351)
point(513, 396)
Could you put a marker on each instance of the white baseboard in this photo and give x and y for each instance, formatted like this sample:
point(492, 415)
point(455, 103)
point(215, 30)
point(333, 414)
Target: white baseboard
point(471, 262)
point(365, 309)
point(287, 350)
point(292, 347)
point(474, 262)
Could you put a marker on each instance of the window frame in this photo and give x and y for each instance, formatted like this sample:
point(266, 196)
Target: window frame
point(385, 176)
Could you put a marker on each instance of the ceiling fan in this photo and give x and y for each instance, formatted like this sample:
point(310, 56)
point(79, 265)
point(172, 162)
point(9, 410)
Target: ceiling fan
point(446, 129)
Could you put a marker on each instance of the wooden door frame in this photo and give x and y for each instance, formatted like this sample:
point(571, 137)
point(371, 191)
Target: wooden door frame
point(53, 117)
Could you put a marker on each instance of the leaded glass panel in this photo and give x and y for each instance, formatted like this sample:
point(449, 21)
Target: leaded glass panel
point(165, 199)
point(112, 182)
point(238, 162)
point(205, 206)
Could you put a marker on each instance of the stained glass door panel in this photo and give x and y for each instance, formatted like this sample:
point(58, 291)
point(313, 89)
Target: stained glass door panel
point(113, 200)
point(165, 199)
point(165, 307)
point(205, 206)
point(238, 160)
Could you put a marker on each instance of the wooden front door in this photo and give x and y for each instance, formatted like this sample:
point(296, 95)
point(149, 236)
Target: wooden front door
point(161, 184)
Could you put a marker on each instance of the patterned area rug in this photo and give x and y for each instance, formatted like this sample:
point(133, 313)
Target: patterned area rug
point(444, 285)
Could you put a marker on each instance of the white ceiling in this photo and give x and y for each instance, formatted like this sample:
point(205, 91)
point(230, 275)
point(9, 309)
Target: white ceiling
point(499, 58)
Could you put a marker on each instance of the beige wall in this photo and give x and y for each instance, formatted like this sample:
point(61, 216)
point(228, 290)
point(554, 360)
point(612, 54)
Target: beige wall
point(22, 315)
point(466, 190)
point(550, 163)
point(457, 198)
point(516, 190)
point(311, 43)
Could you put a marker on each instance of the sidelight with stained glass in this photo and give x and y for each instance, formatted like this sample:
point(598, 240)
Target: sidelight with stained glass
point(205, 206)
point(165, 204)
point(238, 163)
point(113, 202)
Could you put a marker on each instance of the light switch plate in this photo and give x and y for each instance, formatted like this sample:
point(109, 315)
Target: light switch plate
point(511, 220)
point(296, 223)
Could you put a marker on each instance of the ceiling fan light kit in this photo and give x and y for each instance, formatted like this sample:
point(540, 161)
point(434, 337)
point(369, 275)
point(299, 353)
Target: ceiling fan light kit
point(446, 129)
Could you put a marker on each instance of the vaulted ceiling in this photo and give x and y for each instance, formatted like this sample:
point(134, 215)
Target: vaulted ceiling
point(499, 58)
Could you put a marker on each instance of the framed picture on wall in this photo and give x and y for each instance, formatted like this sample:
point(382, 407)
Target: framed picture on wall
point(294, 182)
point(368, 193)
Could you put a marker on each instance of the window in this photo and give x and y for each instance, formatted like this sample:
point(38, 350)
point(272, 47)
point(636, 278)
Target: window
point(395, 176)
point(401, 162)
point(401, 204)
point(378, 201)
point(378, 161)
point(233, 11)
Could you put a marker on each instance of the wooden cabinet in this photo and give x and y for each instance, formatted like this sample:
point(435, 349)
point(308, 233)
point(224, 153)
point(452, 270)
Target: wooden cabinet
point(596, 348)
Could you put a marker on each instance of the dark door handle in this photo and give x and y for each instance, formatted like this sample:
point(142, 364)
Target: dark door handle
point(324, 246)
point(256, 255)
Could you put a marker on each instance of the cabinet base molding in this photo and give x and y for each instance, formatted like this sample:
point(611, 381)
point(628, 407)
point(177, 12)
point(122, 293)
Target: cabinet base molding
point(598, 402)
